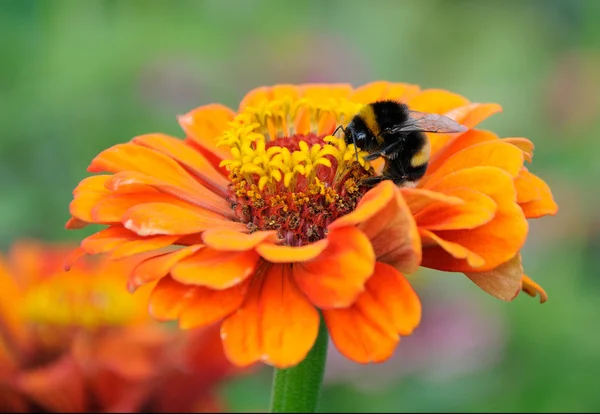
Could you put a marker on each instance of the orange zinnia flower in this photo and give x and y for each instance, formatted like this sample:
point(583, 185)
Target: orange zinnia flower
point(76, 342)
point(272, 222)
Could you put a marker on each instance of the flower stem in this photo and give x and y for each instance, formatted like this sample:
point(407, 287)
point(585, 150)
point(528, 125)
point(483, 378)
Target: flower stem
point(297, 389)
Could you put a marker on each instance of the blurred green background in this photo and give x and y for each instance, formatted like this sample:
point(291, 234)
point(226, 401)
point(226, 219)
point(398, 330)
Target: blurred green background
point(79, 76)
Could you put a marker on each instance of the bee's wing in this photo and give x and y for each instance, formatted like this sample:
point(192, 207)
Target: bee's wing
point(426, 122)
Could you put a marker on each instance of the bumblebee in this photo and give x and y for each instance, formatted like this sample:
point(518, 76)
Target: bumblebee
point(389, 129)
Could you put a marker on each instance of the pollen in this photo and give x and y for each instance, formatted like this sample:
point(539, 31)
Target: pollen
point(288, 172)
point(63, 301)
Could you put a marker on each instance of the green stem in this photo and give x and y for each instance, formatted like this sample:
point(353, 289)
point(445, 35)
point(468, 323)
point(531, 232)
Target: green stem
point(297, 389)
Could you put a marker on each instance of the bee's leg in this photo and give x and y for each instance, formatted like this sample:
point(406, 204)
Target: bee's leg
point(372, 181)
point(384, 151)
point(337, 129)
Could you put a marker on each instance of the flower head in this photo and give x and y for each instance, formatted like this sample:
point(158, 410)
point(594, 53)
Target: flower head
point(76, 342)
point(266, 219)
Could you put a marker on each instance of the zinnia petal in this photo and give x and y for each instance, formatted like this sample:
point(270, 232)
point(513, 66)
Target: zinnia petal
point(503, 282)
point(497, 241)
point(187, 156)
point(215, 269)
point(333, 286)
point(204, 125)
point(533, 289)
point(544, 205)
point(368, 331)
point(165, 218)
point(194, 306)
point(224, 239)
point(276, 323)
point(156, 168)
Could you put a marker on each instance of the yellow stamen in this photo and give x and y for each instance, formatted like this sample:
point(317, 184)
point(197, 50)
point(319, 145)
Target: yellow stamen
point(256, 160)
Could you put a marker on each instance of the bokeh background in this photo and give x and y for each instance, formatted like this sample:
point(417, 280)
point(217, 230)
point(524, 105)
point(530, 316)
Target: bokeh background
point(77, 76)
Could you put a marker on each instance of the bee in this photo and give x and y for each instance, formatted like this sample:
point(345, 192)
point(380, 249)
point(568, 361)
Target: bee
point(391, 130)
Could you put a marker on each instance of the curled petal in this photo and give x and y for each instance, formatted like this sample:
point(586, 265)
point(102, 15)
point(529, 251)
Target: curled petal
point(386, 219)
point(436, 249)
point(165, 218)
point(86, 195)
point(497, 241)
point(338, 275)
point(368, 331)
point(156, 267)
point(477, 210)
point(276, 323)
point(533, 289)
point(194, 306)
point(544, 205)
point(524, 145)
point(418, 199)
point(187, 156)
point(204, 125)
point(503, 282)
point(527, 188)
point(215, 269)
point(291, 254)
point(223, 239)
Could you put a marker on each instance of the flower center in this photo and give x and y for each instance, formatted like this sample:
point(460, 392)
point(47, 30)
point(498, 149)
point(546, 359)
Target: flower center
point(288, 173)
point(85, 301)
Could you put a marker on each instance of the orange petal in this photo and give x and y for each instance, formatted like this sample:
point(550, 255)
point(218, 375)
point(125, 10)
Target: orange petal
point(435, 247)
point(204, 125)
point(543, 206)
point(324, 92)
point(492, 154)
point(527, 188)
point(111, 208)
point(477, 210)
point(370, 92)
point(338, 275)
point(56, 387)
point(456, 144)
point(285, 92)
point(194, 306)
point(215, 269)
point(154, 168)
point(255, 97)
point(472, 114)
point(85, 196)
point(402, 92)
point(437, 101)
point(74, 224)
point(187, 156)
point(418, 198)
point(165, 218)
point(533, 289)
point(394, 234)
point(156, 267)
point(523, 144)
point(503, 282)
point(368, 331)
point(375, 200)
point(121, 242)
point(262, 328)
point(223, 239)
point(291, 254)
point(497, 241)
